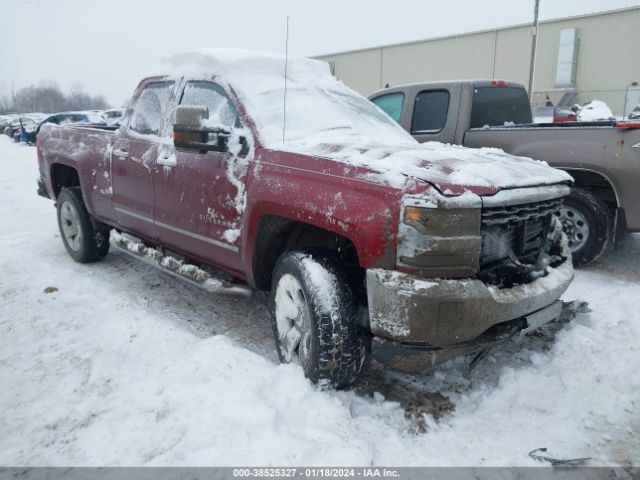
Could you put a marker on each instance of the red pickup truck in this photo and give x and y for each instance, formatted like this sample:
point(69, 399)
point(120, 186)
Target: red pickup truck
point(303, 188)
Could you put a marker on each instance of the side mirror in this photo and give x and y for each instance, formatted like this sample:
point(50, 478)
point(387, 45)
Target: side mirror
point(189, 131)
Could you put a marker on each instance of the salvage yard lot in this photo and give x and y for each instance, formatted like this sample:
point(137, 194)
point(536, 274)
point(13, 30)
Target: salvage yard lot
point(119, 364)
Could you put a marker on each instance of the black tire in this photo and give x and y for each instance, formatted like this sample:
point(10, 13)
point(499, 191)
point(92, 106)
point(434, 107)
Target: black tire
point(335, 349)
point(91, 240)
point(582, 206)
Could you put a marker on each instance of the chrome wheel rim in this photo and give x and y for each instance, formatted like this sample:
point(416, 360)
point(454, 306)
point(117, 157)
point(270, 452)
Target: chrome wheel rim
point(70, 223)
point(575, 226)
point(293, 320)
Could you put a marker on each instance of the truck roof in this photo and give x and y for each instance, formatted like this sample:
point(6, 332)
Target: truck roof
point(234, 62)
point(316, 102)
point(476, 82)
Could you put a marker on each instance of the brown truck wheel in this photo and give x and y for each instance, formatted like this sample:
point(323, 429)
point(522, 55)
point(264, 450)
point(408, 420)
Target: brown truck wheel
point(313, 314)
point(586, 220)
point(85, 240)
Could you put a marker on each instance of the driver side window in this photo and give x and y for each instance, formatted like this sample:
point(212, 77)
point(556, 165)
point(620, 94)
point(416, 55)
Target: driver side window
point(222, 112)
point(149, 111)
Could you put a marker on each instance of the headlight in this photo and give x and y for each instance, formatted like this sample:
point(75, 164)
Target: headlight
point(417, 216)
point(440, 236)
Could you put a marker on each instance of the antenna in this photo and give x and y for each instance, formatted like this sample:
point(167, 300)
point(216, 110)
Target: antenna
point(534, 44)
point(286, 61)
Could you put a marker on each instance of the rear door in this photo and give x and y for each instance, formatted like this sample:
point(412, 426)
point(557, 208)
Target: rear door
point(200, 197)
point(428, 113)
point(435, 114)
point(134, 155)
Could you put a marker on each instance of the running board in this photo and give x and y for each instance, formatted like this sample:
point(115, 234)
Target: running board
point(178, 268)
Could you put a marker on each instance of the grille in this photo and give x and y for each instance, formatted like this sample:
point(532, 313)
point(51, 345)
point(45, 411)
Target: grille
point(519, 213)
point(518, 230)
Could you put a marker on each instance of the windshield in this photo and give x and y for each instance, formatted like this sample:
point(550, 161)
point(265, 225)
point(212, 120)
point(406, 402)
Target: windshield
point(110, 114)
point(28, 123)
point(319, 115)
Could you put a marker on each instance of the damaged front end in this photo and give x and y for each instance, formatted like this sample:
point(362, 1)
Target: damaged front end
point(519, 241)
point(471, 271)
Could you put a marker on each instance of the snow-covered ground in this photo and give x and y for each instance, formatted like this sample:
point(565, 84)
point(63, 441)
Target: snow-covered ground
point(116, 363)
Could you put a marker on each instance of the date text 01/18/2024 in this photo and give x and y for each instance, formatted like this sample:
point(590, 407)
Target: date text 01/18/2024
point(318, 472)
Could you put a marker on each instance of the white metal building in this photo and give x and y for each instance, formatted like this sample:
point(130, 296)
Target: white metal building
point(596, 56)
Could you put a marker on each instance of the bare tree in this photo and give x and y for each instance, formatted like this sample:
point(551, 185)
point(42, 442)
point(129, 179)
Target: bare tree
point(47, 97)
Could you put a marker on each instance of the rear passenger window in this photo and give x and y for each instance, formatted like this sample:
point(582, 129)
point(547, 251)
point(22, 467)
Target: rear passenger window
point(391, 104)
point(498, 106)
point(430, 112)
point(149, 111)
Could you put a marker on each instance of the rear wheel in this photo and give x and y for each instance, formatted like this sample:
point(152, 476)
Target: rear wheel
point(586, 220)
point(84, 239)
point(314, 319)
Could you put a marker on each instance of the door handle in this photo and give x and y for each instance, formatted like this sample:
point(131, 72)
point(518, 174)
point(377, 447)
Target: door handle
point(121, 153)
point(167, 160)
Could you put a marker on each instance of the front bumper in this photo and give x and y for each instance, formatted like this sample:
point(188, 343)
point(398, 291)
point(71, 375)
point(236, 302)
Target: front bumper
point(416, 357)
point(448, 313)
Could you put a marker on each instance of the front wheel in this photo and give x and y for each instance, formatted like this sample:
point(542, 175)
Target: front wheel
point(85, 240)
point(586, 220)
point(313, 316)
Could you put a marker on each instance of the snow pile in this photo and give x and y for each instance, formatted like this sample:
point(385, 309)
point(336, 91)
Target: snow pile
point(117, 364)
point(317, 103)
point(594, 111)
point(543, 119)
point(326, 118)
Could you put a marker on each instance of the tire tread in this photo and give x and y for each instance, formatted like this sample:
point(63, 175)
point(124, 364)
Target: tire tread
point(95, 235)
point(599, 214)
point(341, 341)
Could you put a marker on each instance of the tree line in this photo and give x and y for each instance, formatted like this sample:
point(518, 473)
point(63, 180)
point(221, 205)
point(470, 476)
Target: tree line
point(47, 97)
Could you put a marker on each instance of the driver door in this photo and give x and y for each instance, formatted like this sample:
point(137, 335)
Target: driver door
point(133, 159)
point(200, 196)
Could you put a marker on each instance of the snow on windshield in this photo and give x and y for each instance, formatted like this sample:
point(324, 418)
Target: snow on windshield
point(319, 107)
point(315, 114)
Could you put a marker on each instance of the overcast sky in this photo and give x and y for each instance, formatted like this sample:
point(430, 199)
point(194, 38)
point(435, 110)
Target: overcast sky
point(109, 45)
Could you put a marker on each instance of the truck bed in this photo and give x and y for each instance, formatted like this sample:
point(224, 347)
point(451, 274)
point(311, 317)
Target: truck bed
point(602, 147)
point(88, 151)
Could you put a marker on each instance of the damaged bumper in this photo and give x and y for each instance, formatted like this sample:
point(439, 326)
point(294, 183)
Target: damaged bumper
point(422, 316)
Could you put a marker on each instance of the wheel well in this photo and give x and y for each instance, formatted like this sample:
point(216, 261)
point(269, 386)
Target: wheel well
point(277, 235)
point(63, 176)
point(596, 183)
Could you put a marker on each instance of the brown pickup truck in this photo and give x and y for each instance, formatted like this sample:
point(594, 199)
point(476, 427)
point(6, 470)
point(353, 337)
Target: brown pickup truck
point(359, 233)
point(602, 157)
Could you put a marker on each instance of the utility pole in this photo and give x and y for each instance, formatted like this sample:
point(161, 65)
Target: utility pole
point(534, 43)
point(286, 62)
point(13, 96)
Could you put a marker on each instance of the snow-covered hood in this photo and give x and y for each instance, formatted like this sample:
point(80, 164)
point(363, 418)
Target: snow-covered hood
point(450, 168)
